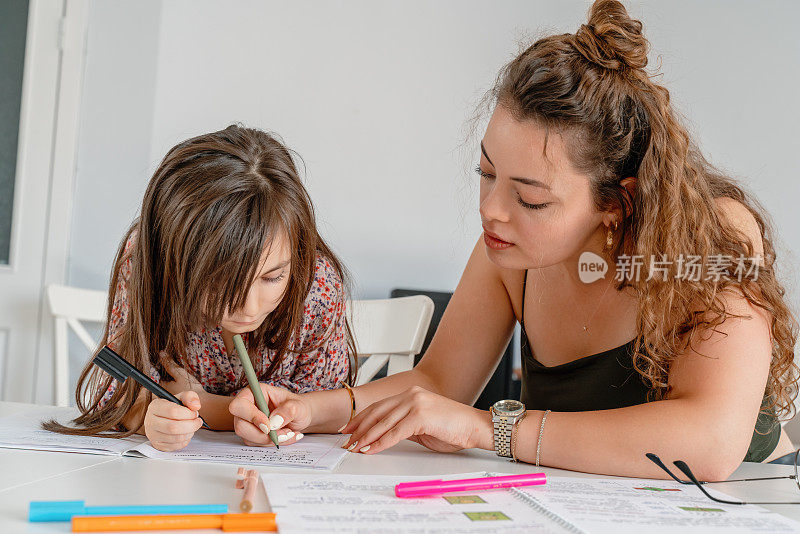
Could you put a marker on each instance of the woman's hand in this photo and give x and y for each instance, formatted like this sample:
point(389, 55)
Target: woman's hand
point(438, 423)
point(289, 415)
point(170, 426)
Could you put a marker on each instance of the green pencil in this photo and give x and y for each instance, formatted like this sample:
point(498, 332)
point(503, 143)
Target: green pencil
point(252, 379)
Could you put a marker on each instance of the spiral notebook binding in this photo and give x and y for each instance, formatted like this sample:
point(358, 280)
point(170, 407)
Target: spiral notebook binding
point(549, 514)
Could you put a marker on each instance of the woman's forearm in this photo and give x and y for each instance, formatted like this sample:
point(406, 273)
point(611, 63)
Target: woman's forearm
point(615, 441)
point(331, 408)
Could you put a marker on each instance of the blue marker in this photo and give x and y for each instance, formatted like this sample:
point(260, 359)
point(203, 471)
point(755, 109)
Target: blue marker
point(64, 510)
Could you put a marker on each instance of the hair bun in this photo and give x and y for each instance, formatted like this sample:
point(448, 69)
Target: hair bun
point(612, 39)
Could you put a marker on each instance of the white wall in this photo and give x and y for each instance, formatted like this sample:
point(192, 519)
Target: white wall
point(115, 131)
point(374, 96)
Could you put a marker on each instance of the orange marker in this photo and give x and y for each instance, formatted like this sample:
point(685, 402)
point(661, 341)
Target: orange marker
point(226, 522)
point(249, 482)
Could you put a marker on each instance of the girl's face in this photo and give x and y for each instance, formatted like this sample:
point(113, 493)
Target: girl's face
point(267, 289)
point(535, 212)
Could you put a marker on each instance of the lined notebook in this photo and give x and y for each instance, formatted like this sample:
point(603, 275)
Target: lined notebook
point(362, 503)
point(23, 431)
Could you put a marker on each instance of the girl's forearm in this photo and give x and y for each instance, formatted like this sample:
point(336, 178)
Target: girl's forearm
point(331, 408)
point(615, 441)
point(134, 418)
point(214, 410)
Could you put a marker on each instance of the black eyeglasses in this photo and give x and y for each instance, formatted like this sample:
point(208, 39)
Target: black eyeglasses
point(680, 464)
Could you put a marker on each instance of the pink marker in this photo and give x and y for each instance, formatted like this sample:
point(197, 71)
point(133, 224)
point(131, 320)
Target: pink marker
point(426, 488)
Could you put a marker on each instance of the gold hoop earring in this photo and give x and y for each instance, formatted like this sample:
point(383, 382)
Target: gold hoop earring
point(610, 236)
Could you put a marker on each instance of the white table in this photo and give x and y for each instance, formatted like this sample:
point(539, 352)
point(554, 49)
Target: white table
point(35, 475)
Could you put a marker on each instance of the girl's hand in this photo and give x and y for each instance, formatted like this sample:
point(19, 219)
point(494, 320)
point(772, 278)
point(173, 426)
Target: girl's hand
point(169, 426)
point(289, 415)
point(439, 423)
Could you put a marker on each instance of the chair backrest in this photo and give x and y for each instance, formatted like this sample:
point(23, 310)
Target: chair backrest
point(69, 306)
point(390, 326)
point(389, 330)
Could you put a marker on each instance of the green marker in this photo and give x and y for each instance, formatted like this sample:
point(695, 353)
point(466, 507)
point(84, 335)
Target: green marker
point(252, 379)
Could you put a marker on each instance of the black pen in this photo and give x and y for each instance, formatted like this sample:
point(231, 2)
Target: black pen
point(118, 367)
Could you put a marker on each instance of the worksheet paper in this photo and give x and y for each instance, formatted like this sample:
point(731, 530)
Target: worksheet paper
point(624, 505)
point(363, 503)
point(23, 431)
point(314, 451)
point(366, 503)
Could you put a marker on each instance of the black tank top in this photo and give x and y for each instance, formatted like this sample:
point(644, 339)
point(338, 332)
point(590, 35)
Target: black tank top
point(604, 381)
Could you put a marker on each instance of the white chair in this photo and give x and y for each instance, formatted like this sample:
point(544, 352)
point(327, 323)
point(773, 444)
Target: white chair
point(390, 330)
point(69, 306)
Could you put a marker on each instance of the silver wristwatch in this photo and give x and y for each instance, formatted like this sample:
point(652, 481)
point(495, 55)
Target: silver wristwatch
point(504, 414)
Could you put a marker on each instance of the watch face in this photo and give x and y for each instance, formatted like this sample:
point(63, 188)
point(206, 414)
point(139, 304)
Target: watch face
point(508, 406)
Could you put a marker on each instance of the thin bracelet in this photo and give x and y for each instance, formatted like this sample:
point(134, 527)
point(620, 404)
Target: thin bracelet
point(352, 402)
point(514, 430)
point(541, 429)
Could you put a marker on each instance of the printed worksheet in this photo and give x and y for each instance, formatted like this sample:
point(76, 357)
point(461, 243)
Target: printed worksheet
point(314, 451)
point(624, 505)
point(23, 431)
point(366, 503)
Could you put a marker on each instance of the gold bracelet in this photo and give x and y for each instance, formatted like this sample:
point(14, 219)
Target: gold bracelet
point(514, 430)
point(352, 402)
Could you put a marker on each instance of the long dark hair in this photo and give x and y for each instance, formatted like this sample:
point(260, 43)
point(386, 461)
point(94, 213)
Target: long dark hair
point(213, 206)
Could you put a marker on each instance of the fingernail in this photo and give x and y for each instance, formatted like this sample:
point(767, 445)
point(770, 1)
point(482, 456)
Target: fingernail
point(289, 434)
point(196, 413)
point(364, 449)
point(264, 428)
point(353, 446)
point(340, 430)
point(299, 436)
point(275, 422)
point(282, 438)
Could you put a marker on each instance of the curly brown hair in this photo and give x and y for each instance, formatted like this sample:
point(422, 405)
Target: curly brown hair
point(592, 87)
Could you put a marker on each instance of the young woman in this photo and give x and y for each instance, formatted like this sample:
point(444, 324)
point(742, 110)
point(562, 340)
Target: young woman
point(226, 243)
point(584, 157)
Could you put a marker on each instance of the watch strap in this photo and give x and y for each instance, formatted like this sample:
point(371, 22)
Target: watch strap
point(503, 426)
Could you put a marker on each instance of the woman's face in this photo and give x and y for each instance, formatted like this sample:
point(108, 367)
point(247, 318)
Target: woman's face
point(535, 212)
point(267, 289)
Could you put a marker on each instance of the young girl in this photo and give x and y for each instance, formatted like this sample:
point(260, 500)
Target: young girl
point(225, 244)
point(585, 157)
